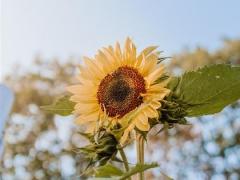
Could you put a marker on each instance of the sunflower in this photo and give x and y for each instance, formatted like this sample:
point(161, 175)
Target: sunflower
point(119, 86)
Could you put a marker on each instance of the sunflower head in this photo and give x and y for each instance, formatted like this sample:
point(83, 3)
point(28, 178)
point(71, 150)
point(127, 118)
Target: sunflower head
point(119, 86)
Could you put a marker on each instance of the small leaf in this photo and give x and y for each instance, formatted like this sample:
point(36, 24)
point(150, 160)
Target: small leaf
point(173, 83)
point(63, 106)
point(88, 136)
point(166, 177)
point(108, 170)
point(137, 169)
point(94, 178)
point(164, 77)
point(208, 90)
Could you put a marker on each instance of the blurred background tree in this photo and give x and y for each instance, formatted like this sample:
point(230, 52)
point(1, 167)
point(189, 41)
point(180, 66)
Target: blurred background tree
point(40, 145)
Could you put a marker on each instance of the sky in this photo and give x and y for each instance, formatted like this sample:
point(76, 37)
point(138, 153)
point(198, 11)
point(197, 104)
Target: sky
point(64, 28)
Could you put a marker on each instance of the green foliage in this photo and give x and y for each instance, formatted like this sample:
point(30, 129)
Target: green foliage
point(109, 170)
point(207, 90)
point(137, 169)
point(63, 106)
point(166, 177)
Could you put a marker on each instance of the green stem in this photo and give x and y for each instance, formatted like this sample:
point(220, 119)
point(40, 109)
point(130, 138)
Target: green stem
point(124, 158)
point(140, 153)
point(125, 161)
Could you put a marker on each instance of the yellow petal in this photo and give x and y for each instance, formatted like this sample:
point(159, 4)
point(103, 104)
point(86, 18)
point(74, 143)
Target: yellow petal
point(147, 51)
point(87, 73)
point(93, 68)
point(151, 112)
point(155, 104)
point(127, 48)
point(155, 74)
point(118, 52)
point(84, 99)
point(142, 127)
point(133, 53)
point(151, 62)
point(157, 96)
point(142, 65)
point(141, 121)
point(107, 65)
point(156, 88)
point(84, 81)
point(82, 119)
point(91, 127)
point(111, 56)
point(126, 134)
point(129, 52)
point(85, 90)
point(74, 88)
point(86, 108)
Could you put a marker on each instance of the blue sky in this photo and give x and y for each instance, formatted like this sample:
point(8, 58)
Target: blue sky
point(63, 28)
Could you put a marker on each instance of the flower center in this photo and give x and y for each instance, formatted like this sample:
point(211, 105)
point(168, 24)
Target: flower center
point(120, 92)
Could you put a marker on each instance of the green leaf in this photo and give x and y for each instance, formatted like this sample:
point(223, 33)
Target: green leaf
point(208, 90)
point(137, 169)
point(172, 85)
point(108, 170)
point(63, 106)
point(88, 136)
point(104, 178)
point(166, 177)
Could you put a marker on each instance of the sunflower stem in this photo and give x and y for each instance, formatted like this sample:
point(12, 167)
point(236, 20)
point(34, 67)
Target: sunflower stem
point(124, 158)
point(140, 153)
point(125, 161)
